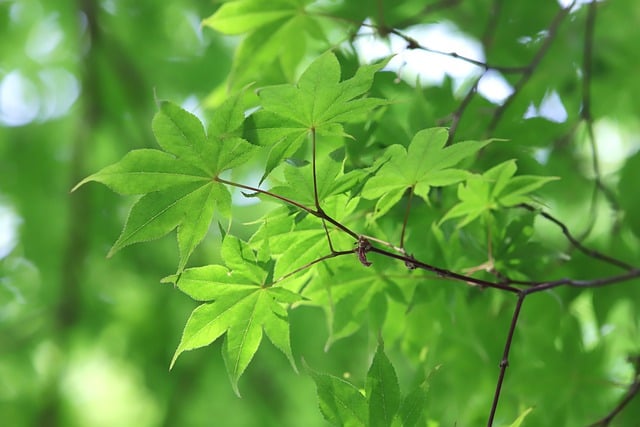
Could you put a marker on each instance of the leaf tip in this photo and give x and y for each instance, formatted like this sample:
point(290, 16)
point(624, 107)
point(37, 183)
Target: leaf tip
point(81, 183)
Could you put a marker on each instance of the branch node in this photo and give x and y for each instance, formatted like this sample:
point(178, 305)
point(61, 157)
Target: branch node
point(364, 246)
point(409, 262)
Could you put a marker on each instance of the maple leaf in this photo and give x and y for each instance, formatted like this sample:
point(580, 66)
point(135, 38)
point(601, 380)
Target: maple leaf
point(492, 190)
point(239, 304)
point(178, 184)
point(319, 103)
point(426, 163)
point(294, 241)
point(341, 403)
point(276, 32)
point(330, 179)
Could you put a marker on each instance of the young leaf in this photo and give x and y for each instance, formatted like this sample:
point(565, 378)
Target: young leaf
point(518, 421)
point(178, 184)
point(350, 296)
point(242, 16)
point(330, 178)
point(426, 163)
point(382, 389)
point(240, 306)
point(276, 34)
point(319, 103)
point(413, 405)
point(341, 403)
point(494, 189)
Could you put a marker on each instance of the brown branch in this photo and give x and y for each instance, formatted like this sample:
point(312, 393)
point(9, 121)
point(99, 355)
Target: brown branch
point(414, 44)
point(585, 112)
point(444, 273)
point(632, 392)
point(504, 362)
point(457, 115)
point(529, 69)
point(565, 230)
point(593, 283)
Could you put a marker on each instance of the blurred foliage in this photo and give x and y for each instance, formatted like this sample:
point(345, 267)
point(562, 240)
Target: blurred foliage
point(86, 341)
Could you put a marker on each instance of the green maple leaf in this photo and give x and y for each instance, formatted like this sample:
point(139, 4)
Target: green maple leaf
point(340, 402)
point(330, 179)
point(351, 296)
point(492, 190)
point(294, 241)
point(178, 183)
point(239, 304)
point(276, 30)
point(319, 103)
point(426, 163)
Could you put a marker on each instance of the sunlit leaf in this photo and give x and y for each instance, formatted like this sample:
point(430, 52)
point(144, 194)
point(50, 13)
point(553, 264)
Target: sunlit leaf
point(242, 307)
point(178, 184)
point(319, 103)
point(496, 188)
point(426, 163)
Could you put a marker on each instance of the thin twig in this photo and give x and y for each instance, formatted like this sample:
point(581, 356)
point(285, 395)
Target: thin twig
point(444, 273)
point(492, 24)
point(505, 357)
point(429, 9)
point(592, 283)
point(529, 69)
point(565, 230)
point(585, 112)
point(457, 115)
point(632, 392)
point(414, 44)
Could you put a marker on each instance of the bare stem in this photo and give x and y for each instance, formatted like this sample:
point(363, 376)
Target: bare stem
point(444, 272)
point(529, 69)
point(505, 357)
point(457, 115)
point(589, 252)
point(632, 392)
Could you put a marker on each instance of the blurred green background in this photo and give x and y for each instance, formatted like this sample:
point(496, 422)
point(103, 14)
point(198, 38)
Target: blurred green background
point(86, 341)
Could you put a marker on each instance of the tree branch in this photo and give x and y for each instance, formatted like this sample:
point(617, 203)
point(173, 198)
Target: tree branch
point(529, 69)
point(505, 358)
point(565, 230)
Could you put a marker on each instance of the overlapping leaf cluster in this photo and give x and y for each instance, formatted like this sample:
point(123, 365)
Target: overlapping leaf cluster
point(293, 256)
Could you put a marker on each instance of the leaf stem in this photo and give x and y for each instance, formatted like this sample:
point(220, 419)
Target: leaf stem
point(317, 213)
point(266, 193)
point(575, 242)
point(315, 187)
point(309, 264)
point(406, 217)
